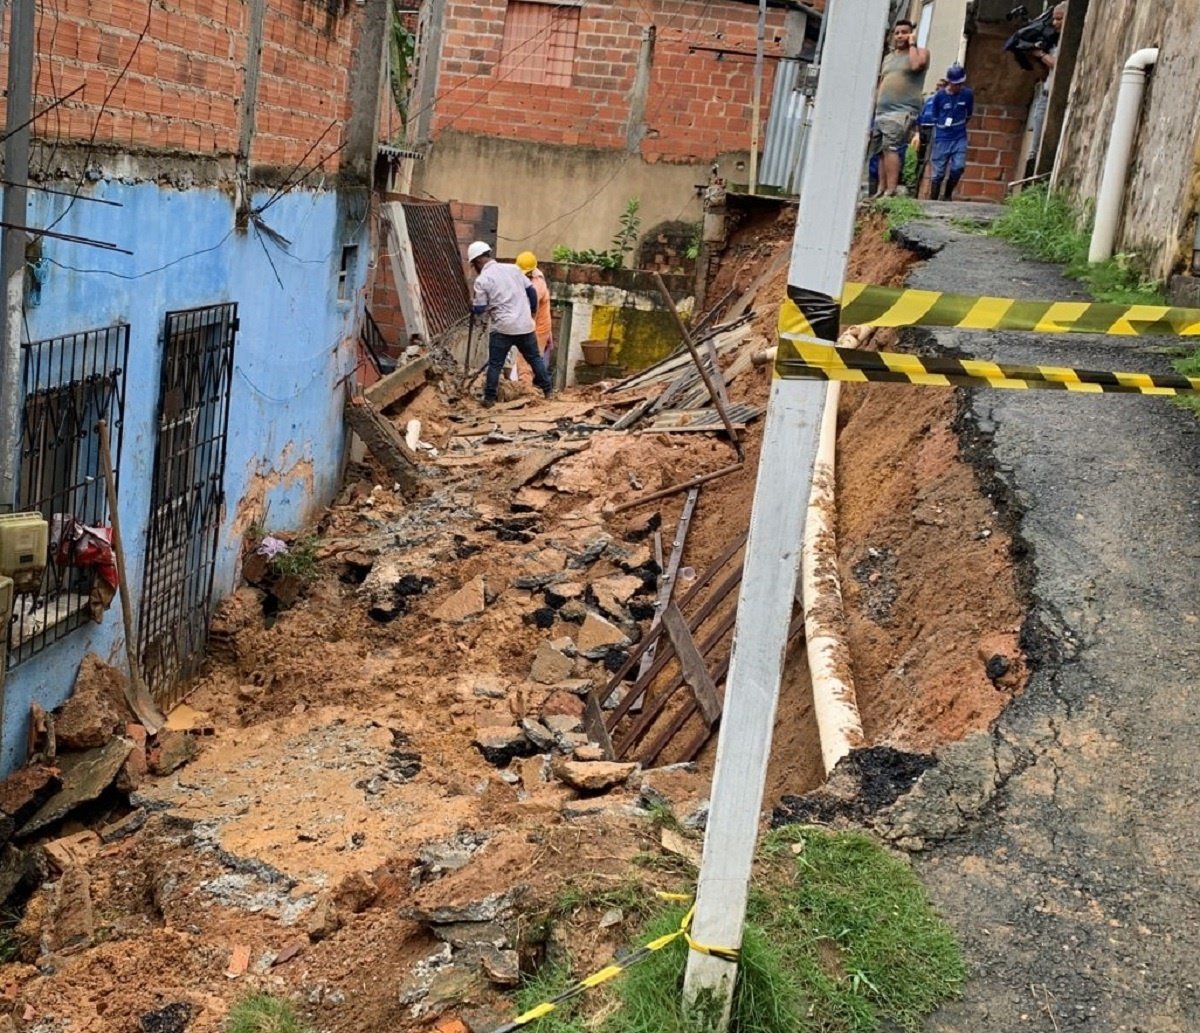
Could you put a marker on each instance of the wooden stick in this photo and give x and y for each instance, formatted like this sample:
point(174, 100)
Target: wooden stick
point(675, 489)
point(708, 381)
point(136, 694)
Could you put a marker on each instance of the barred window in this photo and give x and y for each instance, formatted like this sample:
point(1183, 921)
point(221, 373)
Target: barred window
point(539, 43)
point(71, 383)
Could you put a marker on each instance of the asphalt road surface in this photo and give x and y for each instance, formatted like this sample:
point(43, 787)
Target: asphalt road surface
point(1073, 875)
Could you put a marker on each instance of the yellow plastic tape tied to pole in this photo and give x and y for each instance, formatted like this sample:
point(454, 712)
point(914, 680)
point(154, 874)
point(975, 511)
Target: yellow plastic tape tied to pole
point(808, 318)
point(617, 967)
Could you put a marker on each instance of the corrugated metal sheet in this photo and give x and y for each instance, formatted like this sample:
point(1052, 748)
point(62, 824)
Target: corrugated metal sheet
point(785, 129)
point(440, 277)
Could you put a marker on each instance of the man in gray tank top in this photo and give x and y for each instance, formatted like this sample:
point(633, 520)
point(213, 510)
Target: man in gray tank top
point(898, 101)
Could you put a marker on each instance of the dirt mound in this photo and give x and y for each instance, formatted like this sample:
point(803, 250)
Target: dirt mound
point(348, 728)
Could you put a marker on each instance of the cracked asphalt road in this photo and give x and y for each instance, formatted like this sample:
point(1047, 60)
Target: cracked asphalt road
point(1075, 889)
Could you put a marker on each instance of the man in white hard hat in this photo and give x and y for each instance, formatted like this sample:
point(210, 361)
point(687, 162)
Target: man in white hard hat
point(508, 298)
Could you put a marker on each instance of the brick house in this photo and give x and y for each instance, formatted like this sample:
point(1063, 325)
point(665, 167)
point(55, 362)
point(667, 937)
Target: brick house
point(558, 113)
point(222, 152)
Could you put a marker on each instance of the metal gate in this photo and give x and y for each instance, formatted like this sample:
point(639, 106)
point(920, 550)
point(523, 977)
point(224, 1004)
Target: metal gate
point(186, 503)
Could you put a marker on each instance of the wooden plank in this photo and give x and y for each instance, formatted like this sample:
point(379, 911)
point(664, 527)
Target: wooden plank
point(694, 671)
point(666, 581)
point(655, 708)
point(401, 381)
point(384, 442)
point(731, 549)
point(593, 725)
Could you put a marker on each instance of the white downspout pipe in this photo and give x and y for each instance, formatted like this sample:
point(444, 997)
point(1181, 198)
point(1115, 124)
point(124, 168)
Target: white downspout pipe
point(839, 725)
point(1120, 146)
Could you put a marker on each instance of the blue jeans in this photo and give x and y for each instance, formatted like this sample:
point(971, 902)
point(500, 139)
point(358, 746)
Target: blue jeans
point(499, 346)
point(948, 155)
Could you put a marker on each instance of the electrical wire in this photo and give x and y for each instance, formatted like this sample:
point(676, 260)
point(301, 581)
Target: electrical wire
point(91, 147)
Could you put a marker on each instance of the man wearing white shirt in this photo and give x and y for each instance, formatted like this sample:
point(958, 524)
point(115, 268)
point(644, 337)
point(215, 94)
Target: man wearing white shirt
point(508, 298)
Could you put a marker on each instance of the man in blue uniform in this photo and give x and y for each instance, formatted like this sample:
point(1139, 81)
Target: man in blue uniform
point(952, 110)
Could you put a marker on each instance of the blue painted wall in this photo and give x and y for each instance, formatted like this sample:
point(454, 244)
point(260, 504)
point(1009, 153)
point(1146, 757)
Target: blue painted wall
point(286, 435)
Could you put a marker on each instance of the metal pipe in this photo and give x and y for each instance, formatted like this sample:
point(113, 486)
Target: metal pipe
point(839, 725)
point(12, 253)
point(1120, 146)
point(756, 113)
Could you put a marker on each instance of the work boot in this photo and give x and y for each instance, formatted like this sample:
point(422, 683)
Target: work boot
point(487, 403)
point(936, 190)
point(951, 183)
point(549, 393)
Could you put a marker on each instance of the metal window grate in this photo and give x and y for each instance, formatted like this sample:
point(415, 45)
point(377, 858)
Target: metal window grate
point(188, 495)
point(440, 273)
point(71, 383)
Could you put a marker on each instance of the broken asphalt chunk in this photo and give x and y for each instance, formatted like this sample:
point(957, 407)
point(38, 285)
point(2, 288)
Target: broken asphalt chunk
point(469, 601)
point(551, 664)
point(84, 777)
point(598, 635)
point(501, 743)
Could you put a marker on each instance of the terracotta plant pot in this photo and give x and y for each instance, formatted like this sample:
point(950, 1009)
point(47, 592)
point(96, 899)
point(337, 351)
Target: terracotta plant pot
point(595, 353)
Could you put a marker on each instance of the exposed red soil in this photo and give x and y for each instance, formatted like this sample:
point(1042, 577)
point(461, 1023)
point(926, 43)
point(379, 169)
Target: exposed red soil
point(307, 709)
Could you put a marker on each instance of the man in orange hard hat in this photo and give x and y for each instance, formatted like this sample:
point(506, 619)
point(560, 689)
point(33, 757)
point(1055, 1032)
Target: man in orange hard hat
point(527, 263)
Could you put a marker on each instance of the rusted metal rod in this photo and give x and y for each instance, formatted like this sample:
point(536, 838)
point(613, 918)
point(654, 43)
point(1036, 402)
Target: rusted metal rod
point(704, 374)
point(675, 489)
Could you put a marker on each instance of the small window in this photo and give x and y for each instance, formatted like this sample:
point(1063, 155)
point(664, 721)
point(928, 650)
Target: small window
point(539, 43)
point(346, 272)
point(71, 383)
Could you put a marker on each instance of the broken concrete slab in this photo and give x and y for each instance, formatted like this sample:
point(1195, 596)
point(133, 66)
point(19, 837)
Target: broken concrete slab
point(96, 710)
point(550, 665)
point(469, 601)
point(469, 934)
point(589, 752)
point(19, 870)
point(574, 611)
point(679, 789)
point(593, 776)
point(124, 828)
point(564, 592)
point(487, 686)
point(537, 733)
point(501, 967)
point(171, 752)
point(629, 557)
point(485, 909)
point(84, 777)
point(23, 793)
point(562, 724)
point(674, 842)
point(613, 592)
point(598, 636)
point(575, 686)
point(448, 855)
point(501, 743)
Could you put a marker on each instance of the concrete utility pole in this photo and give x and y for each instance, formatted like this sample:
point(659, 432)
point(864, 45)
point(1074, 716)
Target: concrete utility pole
point(824, 228)
point(12, 261)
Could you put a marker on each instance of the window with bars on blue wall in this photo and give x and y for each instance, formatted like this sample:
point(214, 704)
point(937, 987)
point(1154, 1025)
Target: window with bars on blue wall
point(70, 384)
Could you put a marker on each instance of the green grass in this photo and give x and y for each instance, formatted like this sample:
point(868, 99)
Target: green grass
point(1189, 366)
point(840, 937)
point(899, 210)
point(299, 561)
point(1046, 226)
point(264, 1013)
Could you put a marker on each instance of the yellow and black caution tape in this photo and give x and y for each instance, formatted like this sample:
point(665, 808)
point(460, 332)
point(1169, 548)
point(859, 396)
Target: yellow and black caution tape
point(812, 314)
point(813, 360)
point(617, 967)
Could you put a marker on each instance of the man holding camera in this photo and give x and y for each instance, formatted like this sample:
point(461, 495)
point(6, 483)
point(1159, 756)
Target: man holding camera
point(898, 101)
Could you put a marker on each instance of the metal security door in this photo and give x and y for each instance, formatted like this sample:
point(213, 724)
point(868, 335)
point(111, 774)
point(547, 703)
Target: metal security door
point(188, 494)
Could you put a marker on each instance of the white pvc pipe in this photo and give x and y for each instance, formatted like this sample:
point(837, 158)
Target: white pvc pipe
point(1120, 147)
point(838, 722)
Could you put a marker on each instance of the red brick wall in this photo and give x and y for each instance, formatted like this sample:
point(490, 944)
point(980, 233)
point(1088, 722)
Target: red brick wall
point(993, 150)
point(184, 77)
point(697, 106)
